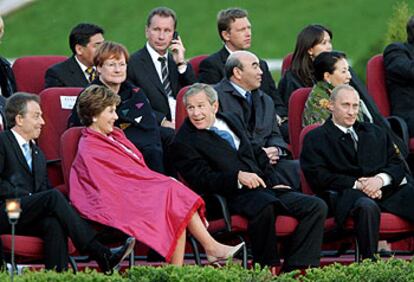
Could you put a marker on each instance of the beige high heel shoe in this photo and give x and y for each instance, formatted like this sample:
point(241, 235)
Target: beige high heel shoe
point(231, 253)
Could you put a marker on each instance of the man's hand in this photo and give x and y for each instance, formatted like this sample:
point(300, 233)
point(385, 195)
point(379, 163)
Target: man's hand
point(167, 123)
point(371, 186)
point(272, 153)
point(178, 50)
point(251, 180)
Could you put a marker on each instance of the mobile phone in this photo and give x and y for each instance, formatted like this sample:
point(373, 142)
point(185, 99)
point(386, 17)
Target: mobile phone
point(175, 35)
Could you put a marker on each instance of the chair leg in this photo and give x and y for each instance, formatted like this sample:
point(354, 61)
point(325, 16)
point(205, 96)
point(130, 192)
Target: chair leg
point(244, 259)
point(196, 251)
point(73, 264)
point(357, 254)
point(131, 261)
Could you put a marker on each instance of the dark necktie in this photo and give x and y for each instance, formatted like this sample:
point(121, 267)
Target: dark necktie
point(249, 98)
point(225, 135)
point(92, 73)
point(165, 77)
point(354, 138)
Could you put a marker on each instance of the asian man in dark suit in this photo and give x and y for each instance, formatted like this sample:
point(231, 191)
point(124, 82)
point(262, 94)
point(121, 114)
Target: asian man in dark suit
point(240, 93)
point(360, 162)
point(235, 31)
point(78, 70)
point(45, 211)
point(159, 72)
point(213, 154)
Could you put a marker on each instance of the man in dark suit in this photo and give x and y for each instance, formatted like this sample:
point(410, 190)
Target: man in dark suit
point(360, 163)
point(240, 93)
point(160, 73)
point(45, 211)
point(235, 30)
point(7, 81)
point(78, 70)
point(213, 154)
point(399, 75)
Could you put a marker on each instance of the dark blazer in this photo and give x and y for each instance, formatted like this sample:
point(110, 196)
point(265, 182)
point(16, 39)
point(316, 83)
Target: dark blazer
point(137, 119)
point(7, 81)
point(399, 70)
point(262, 128)
point(142, 73)
point(16, 178)
point(65, 74)
point(210, 165)
point(330, 162)
point(2, 113)
point(211, 71)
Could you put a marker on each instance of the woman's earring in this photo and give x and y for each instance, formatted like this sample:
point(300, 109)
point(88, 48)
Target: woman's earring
point(94, 120)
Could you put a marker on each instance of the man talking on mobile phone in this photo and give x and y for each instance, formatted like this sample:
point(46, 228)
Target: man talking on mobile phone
point(160, 68)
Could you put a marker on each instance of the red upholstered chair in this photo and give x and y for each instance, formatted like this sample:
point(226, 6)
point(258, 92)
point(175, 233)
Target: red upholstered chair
point(57, 106)
point(296, 106)
point(195, 63)
point(287, 61)
point(180, 111)
point(392, 227)
point(29, 249)
point(30, 72)
point(378, 90)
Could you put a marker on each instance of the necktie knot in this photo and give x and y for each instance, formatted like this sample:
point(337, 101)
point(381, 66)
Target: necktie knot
point(92, 73)
point(224, 135)
point(162, 60)
point(27, 154)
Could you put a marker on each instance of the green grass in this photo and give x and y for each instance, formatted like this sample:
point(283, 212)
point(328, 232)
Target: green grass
point(42, 27)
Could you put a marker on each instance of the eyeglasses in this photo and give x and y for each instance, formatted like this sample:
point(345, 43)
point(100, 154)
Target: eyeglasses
point(115, 65)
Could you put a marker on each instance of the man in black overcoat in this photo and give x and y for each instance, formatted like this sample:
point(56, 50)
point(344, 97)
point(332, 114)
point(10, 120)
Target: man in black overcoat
point(243, 175)
point(360, 163)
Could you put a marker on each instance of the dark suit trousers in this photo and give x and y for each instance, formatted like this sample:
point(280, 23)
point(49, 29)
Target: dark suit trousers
point(366, 215)
point(48, 215)
point(304, 246)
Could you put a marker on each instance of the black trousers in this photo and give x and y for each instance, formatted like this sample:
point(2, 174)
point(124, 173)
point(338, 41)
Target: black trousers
point(49, 216)
point(304, 246)
point(366, 215)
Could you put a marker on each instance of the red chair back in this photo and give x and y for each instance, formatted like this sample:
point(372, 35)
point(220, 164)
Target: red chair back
point(287, 61)
point(306, 189)
point(195, 63)
point(57, 106)
point(180, 111)
point(30, 72)
point(296, 106)
point(376, 84)
point(68, 149)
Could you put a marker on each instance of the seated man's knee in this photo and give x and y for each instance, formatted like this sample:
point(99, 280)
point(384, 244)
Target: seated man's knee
point(368, 206)
point(320, 206)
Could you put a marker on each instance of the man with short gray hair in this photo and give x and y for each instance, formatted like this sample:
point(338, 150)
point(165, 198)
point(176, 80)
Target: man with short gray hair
point(213, 154)
point(358, 161)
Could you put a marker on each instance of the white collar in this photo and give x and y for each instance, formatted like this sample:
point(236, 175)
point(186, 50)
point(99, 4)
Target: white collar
point(343, 128)
point(239, 89)
point(20, 140)
point(82, 66)
point(154, 54)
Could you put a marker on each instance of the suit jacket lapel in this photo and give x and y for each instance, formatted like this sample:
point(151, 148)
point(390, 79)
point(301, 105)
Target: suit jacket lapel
point(224, 54)
point(76, 72)
point(151, 72)
point(173, 75)
point(17, 151)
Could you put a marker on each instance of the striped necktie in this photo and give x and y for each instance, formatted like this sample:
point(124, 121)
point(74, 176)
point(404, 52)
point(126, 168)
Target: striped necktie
point(27, 154)
point(92, 73)
point(165, 77)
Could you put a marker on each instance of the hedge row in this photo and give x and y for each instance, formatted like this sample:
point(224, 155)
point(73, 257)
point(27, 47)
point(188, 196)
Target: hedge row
point(389, 270)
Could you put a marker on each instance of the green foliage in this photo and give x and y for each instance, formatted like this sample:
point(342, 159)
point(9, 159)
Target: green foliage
point(383, 270)
point(396, 31)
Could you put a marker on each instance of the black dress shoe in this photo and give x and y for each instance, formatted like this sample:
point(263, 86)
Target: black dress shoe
point(110, 260)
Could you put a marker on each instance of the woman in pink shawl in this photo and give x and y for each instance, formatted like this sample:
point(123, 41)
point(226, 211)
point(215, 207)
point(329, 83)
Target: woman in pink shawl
point(111, 184)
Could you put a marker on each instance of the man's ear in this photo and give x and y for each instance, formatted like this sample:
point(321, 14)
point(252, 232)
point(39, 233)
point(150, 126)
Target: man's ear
point(225, 35)
point(330, 106)
point(79, 49)
point(216, 106)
